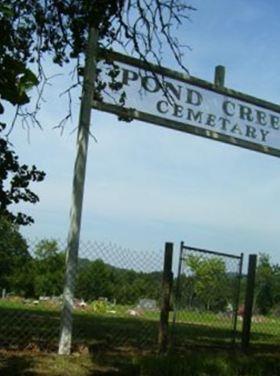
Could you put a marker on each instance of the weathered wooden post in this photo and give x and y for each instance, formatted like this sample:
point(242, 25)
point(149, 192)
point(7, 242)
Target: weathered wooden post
point(78, 194)
point(220, 72)
point(249, 300)
point(167, 281)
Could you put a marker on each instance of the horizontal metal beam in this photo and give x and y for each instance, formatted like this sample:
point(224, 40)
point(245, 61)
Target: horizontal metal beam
point(187, 248)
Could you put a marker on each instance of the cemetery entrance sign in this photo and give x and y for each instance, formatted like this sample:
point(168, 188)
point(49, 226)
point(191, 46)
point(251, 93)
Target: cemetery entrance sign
point(170, 99)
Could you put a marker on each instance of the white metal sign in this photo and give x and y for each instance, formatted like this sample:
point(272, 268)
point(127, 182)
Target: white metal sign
point(192, 105)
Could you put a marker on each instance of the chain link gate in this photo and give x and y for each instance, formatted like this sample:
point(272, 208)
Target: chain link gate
point(206, 298)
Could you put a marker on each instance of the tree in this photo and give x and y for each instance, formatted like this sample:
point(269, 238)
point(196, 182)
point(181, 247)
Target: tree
point(264, 284)
point(33, 29)
point(15, 179)
point(97, 279)
point(15, 80)
point(49, 268)
point(185, 297)
point(94, 280)
point(276, 284)
point(209, 280)
point(16, 262)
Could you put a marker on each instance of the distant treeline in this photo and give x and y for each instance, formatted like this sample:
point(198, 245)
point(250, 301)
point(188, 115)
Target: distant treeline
point(40, 272)
point(205, 283)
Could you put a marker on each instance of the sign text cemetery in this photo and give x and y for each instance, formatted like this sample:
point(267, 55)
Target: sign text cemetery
point(167, 98)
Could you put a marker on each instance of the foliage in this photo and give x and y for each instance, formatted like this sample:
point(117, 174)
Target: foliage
point(42, 273)
point(49, 269)
point(265, 280)
point(58, 27)
point(16, 79)
point(33, 29)
point(99, 280)
point(94, 281)
point(206, 285)
point(23, 274)
point(99, 306)
point(276, 284)
point(209, 280)
point(16, 261)
point(15, 179)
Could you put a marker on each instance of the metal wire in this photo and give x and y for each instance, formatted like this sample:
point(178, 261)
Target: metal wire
point(117, 297)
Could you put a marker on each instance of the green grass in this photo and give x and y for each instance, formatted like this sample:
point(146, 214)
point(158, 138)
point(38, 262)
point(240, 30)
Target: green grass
point(209, 363)
point(25, 326)
point(116, 343)
point(193, 363)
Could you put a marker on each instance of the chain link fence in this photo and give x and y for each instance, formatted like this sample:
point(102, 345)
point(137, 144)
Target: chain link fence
point(207, 294)
point(117, 297)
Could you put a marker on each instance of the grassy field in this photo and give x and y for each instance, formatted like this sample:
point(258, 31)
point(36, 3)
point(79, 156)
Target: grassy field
point(125, 362)
point(113, 341)
point(27, 325)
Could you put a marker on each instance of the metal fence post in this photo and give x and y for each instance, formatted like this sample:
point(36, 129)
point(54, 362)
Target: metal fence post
point(167, 281)
point(249, 299)
point(177, 291)
point(238, 289)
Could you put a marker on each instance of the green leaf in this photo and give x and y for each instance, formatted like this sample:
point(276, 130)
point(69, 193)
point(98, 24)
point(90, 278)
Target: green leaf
point(27, 81)
point(6, 11)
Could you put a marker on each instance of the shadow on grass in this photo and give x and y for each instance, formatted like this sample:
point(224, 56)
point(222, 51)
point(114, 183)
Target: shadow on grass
point(29, 329)
point(198, 363)
point(38, 330)
point(16, 366)
point(195, 363)
point(125, 345)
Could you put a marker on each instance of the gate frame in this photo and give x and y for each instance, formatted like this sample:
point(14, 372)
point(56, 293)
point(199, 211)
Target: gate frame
point(238, 289)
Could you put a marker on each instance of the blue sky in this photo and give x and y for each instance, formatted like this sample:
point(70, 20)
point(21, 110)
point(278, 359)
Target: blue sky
point(145, 184)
